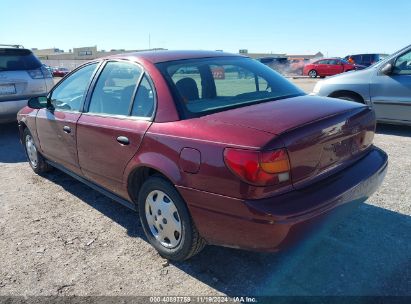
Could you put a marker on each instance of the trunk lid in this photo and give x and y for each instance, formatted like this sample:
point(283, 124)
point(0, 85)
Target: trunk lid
point(321, 135)
point(327, 145)
point(282, 115)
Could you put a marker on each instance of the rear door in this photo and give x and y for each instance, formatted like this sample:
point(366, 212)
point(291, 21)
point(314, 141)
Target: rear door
point(118, 114)
point(57, 125)
point(391, 94)
point(335, 67)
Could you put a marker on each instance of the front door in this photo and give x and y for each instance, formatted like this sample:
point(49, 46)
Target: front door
point(391, 94)
point(322, 67)
point(110, 132)
point(57, 125)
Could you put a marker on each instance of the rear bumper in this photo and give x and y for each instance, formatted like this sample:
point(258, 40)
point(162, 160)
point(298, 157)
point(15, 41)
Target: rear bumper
point(272, 223)
point(9, 109)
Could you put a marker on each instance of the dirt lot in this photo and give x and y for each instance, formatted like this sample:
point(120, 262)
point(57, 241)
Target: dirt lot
point(57, 236)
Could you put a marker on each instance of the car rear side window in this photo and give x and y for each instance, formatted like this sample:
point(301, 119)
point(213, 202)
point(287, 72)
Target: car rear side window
point(114, 89)
point(208, 85)
point(143, 105)
point(70, 92)
point(18, 60)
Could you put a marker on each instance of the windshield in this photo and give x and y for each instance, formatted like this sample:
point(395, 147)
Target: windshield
point(18, 60)
point(210, 85)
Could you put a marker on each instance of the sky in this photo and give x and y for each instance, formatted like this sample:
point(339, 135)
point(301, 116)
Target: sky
point(336, 28)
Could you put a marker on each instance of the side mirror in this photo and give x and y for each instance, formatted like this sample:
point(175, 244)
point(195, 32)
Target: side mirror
point(39, 102)
point(387, 69)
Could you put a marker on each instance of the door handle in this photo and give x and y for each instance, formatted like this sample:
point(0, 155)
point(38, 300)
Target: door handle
point(123, 140)
point(67, 129)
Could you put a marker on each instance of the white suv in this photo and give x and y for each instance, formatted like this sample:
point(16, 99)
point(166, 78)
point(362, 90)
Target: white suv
point(21, 76)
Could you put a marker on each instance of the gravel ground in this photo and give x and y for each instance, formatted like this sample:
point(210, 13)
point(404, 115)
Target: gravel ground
point(59, 237)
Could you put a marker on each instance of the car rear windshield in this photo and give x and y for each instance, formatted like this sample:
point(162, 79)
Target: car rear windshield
point(17, 60)
point(208, 85)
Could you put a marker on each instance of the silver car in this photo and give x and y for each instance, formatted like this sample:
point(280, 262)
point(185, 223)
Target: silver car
point(21, 76)
point(385, 86)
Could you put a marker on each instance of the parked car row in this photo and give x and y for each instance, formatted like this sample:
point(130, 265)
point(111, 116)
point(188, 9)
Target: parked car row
point(321, 67)
point(384, 86)
point(57, 71)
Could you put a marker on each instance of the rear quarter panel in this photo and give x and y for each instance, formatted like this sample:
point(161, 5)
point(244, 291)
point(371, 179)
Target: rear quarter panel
point(164, 142)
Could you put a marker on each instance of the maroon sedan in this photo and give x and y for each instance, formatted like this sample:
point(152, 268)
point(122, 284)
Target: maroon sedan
point(245, 162)
point(327, 67)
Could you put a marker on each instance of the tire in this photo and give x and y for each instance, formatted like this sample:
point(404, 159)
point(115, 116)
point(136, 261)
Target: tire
point(313, 73)
point(36, 161)
point(166, 221)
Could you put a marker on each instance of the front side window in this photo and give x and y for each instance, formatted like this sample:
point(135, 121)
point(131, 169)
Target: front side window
point(322, 62)
point(220, 83)
point(70, 93)
point(114, 88)
point(403, 64)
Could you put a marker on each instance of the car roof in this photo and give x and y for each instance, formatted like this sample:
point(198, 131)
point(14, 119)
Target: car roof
point(166, 55)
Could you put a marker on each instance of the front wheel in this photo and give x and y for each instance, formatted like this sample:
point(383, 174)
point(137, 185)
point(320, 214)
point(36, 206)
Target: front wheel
point(36, 160)
point(166, 221)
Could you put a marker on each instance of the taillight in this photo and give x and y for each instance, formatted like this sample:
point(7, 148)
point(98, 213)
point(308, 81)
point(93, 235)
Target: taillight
point(46, 72)
point(36, 74)
point(257, 167)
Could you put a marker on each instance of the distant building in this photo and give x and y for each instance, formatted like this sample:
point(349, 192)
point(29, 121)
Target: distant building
point(315, 56)
point(46, 52)
point(278, 55)
point(77, 56)
point(262, 55)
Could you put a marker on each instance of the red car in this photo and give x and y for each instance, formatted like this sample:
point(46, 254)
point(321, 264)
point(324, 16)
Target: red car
point(245, 163)
point(60, 72)
point(327, 67)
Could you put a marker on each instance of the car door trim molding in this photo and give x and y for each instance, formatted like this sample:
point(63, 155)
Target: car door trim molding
point(397, 103)
point(123, 117)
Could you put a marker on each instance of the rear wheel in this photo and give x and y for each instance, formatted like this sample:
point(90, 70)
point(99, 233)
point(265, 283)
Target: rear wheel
point(166, 221)
point(313, 73)
point(36, 160)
